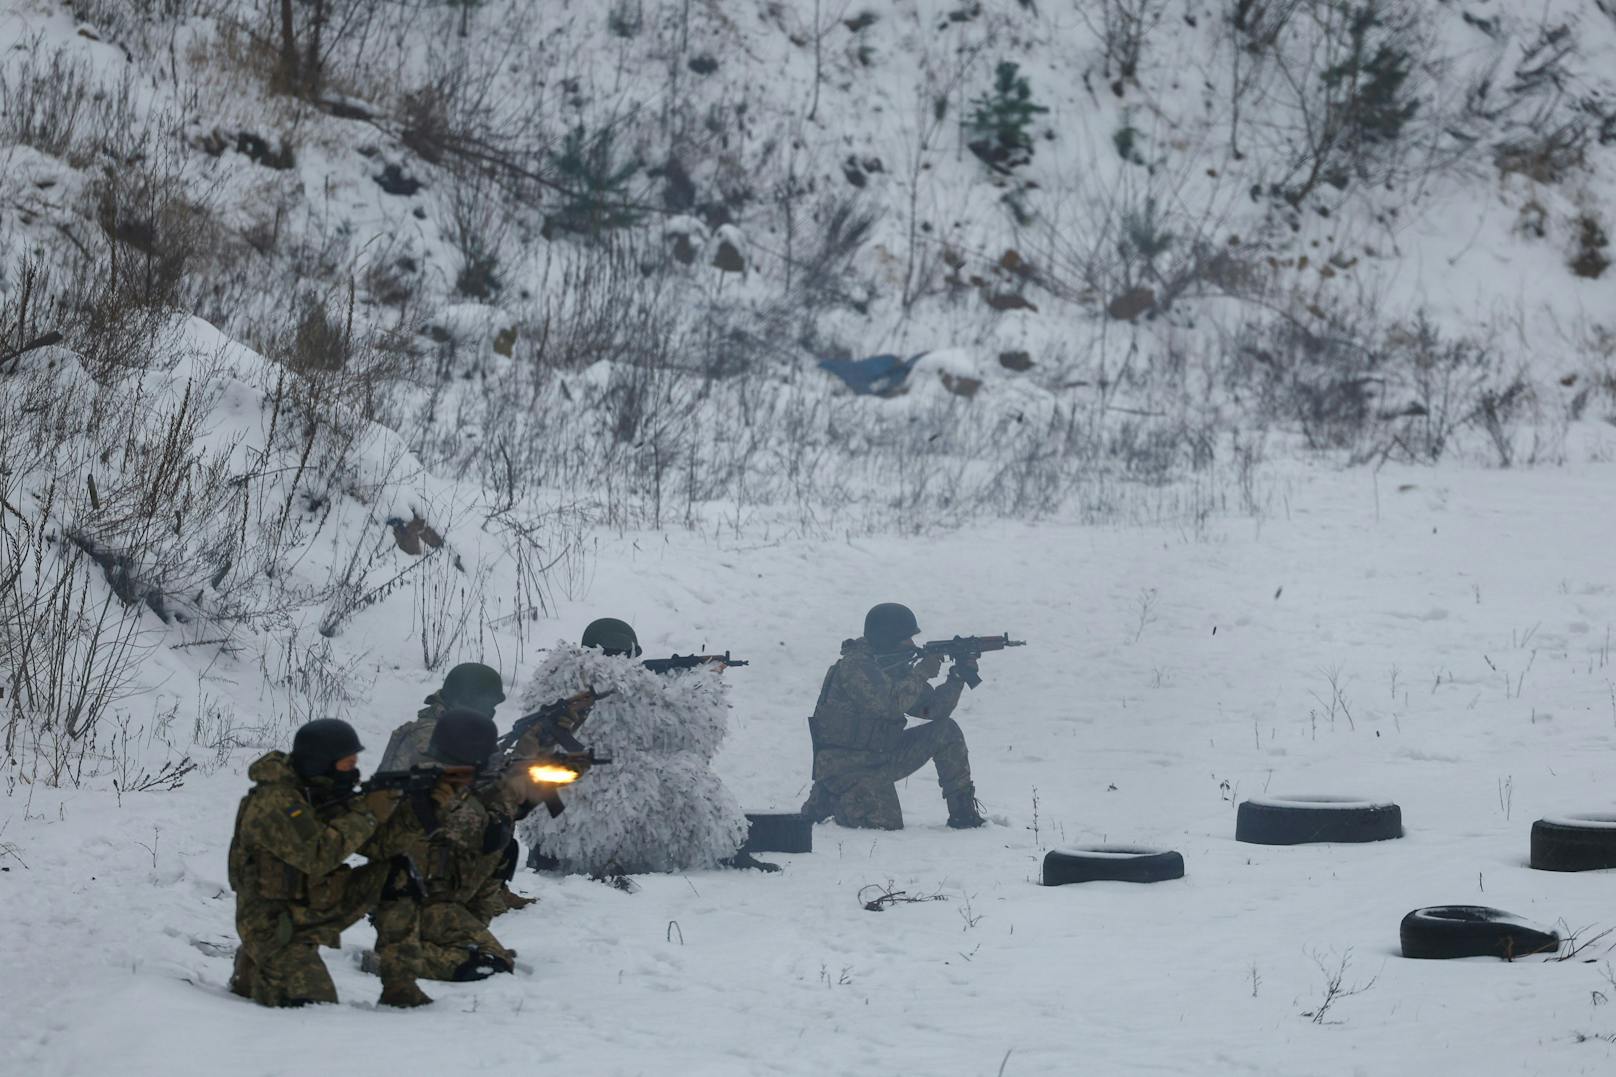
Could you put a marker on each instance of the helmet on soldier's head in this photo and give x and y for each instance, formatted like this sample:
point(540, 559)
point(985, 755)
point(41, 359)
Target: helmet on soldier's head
point(473, 686)
point(317, 746)
point(888, 625)
point(612, 636)
point(462, 738)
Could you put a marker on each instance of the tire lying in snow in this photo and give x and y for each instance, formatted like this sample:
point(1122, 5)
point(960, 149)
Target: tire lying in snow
point(1582, 842)
point(1299, 820)
point(779, 832)
point(1116, 863)
point(1442, 931)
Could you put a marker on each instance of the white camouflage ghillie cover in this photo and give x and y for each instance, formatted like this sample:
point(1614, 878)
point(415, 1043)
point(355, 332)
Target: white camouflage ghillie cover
point(659, 806)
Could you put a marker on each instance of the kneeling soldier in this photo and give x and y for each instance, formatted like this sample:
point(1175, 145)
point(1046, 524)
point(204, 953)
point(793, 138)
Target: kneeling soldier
point(470, 686)
point(459, 832)
point(861, 746)
point(294, 829)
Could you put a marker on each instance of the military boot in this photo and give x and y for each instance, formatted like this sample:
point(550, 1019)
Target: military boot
point(480, 965)
point(745, 859)
point(963, 810)
point(513, 900)
point(405, 994)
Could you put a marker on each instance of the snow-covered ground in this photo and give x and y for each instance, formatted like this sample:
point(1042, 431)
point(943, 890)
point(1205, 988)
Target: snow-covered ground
point(1465, 616)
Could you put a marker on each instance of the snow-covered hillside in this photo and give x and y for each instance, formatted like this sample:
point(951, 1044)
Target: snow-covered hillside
point(1373, 222)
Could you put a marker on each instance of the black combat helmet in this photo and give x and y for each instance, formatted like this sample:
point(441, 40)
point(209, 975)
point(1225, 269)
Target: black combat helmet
point(462, 738)
point(318, 745)
point(475, 687)
point(612, 636)
point(886, 626)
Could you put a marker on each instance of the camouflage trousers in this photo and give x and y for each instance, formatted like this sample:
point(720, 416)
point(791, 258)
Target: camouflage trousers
point(859, 788)
point(450, 931)
point(278, 962)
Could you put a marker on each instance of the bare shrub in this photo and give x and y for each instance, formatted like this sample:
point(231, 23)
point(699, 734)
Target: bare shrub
point(305, 680)
point(1352, 72)
point(598, 303)
point(312, 37)
point(1443, 384)
point(1402, 392)
point(44, 99)
point(478, 235)
point(468, 117)
point(1592, 254)
point(1324, 377)
point(1523, 103)
point(69, 650)
point(1123, 28)
point(1335, 986)
point(1139, 239)
point(447, 600)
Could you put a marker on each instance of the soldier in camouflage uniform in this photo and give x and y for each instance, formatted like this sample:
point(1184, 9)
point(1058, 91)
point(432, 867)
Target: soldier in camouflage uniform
point(861, 746)
point(294, 829)
point(469, 686)
point(458, 834)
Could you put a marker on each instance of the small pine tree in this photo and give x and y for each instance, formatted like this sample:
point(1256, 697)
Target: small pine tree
point(1366, 100)
point(596, 182)
point(1372, 79)
point(1000, 120)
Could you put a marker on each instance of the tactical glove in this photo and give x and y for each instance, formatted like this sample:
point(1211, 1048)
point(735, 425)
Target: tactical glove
point(445, 792)
point(963, 669)
point(929, 665)
point(382, 803)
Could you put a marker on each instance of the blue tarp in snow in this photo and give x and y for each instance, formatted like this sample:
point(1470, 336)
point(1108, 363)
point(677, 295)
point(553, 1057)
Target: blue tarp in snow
point(877, 375)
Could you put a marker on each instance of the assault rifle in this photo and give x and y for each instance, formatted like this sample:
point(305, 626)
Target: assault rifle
point(555, 723)
point(416, 786)
point(562, 759)
point(690, 661)
point(414, 780)
point(965, 650)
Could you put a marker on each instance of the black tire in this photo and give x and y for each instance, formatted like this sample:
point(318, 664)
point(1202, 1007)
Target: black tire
point(1582, 842)
point(1111, 863)
point(779, 832)
point(1444, 931)
point(1304, 819)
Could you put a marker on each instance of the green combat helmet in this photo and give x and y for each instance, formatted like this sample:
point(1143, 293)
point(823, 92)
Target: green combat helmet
point(886, 626)
point(473, 686)
point(463, 738)
point(613, 637)
point(318, 745)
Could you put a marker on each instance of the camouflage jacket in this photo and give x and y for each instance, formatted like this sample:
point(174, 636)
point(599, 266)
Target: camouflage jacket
point(464, 848)
point(865, 702)
point(286, 847)
point(406, 748)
